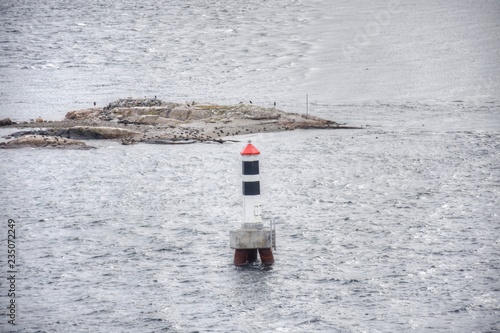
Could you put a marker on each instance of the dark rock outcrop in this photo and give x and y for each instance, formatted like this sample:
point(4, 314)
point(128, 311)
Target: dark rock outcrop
point(5, 122)
point(81, 133)
point(37, 141)
point(99, 132)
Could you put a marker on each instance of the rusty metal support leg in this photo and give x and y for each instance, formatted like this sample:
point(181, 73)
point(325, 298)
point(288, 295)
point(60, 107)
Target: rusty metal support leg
point(240, 257)
point(266, 256)
point(252, 255)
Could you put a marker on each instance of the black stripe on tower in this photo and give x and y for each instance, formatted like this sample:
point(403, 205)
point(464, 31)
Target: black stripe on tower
point(251, 188)
point(250, 167)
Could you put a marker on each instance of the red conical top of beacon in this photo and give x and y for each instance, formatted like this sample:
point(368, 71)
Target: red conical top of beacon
point(250, 150)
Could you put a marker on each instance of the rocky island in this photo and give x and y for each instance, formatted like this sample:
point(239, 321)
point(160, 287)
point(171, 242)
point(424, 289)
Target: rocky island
point(155, 121)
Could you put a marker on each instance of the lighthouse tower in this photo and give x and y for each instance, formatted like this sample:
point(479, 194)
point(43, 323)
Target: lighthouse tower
point(252, 237)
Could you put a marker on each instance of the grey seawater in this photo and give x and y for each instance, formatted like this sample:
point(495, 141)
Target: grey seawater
point(57, 55)
point(392, 228)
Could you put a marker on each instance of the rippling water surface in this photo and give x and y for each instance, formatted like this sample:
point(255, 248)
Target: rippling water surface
point(58, 55)
point(100, 51)
point(392, 228)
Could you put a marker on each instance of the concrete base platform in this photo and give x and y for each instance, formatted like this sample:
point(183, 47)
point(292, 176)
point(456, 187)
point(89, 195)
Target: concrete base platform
point(250, 239)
